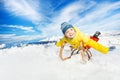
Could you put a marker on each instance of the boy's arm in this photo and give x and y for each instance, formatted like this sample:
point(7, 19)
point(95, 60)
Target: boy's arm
point(61, 42)
point(82, 50)
point(60, 53)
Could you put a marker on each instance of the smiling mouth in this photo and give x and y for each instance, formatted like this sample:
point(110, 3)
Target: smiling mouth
point(71, 35)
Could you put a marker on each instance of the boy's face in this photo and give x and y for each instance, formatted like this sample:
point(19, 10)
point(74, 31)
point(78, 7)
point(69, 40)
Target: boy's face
point(70, 33)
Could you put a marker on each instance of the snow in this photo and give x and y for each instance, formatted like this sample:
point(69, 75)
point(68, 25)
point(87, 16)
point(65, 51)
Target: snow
point(2, 46)
point(41, 62)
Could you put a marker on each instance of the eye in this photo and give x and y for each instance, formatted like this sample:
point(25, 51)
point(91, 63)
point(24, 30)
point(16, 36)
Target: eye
point(71, 29)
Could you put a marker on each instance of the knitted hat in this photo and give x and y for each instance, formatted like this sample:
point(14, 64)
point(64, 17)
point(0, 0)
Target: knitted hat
point(65, 26)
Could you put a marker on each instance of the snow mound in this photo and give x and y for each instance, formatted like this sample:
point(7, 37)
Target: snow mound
point(42, 62)
point(2, 46)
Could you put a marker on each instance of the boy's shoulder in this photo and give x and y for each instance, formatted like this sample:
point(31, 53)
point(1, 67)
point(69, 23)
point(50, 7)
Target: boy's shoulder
point(63, 38)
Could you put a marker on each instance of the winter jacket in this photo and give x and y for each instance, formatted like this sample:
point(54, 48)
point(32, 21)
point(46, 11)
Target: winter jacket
point(80, 36)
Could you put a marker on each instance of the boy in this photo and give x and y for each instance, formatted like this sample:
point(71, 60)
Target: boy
point(77, 40)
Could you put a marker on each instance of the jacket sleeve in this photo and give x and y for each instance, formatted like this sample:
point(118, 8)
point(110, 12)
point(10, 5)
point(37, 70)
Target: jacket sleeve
point(61, 42)
point(97, 46)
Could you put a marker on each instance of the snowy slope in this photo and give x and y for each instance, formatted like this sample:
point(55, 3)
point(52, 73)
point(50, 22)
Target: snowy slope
point(41, 62)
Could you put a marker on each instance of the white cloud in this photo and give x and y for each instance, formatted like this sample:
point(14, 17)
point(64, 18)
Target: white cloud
point(24, 28)
point(68, 13)
point(14, 38)
point(96, 19)
point(26, 9)
point(7, 35)
point(71, 11)
point(26, 37)
point(100, 16)
point(6, 38)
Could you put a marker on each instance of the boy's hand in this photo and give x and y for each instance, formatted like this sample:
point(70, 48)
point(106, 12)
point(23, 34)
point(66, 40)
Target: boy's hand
point(63, 59)
point(83, 62)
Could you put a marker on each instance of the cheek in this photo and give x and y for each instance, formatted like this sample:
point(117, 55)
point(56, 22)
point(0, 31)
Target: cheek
point(67, 34)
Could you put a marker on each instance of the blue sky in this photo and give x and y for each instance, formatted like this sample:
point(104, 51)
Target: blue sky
point(29, 20)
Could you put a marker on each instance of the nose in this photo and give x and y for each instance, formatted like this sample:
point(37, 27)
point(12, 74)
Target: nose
point(70, 33)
